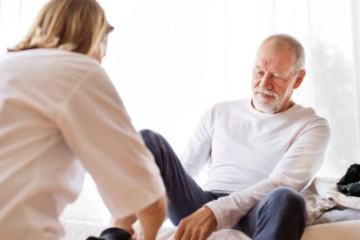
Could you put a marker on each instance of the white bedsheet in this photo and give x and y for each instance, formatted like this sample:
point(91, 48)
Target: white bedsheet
point(80, 230)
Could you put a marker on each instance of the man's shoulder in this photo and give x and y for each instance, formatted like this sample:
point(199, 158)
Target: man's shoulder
point(309, 117)
point(308, 112)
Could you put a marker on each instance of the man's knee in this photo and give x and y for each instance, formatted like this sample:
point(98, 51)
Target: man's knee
point(152, 139)
point(287, 199)
point(147, 134)
point(285, 194)
point(157, 145)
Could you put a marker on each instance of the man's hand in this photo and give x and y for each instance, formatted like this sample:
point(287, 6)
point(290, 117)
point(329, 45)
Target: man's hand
point(197, 226)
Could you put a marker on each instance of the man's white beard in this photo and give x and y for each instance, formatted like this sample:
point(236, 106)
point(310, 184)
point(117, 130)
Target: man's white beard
point(266, 105)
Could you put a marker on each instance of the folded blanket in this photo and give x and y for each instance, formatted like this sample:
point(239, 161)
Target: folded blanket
point(323, 196)
point(338, 215)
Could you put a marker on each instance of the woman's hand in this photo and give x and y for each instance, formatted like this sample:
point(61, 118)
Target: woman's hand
point(138, 231)
point(124, 223)
point(151, 219)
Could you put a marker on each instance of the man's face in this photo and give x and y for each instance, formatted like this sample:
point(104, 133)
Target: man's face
point(273, 80)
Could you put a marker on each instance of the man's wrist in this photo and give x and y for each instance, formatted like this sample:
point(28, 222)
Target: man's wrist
point(213, 206)
point(211, 214)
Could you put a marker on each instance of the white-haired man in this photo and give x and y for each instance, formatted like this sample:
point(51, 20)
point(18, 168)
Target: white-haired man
point(261, 153)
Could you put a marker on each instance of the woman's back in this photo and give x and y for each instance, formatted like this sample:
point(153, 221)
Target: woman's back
point(55, 105)
point(38, 172)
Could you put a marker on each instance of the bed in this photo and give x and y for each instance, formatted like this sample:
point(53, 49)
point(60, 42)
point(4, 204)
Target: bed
point(320, 196)
point(347, 230)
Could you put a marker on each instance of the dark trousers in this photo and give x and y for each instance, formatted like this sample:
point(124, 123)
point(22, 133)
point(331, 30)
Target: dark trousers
point(280, 216)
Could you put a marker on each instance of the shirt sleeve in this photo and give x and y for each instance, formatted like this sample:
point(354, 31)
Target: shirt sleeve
point(98, 130)
point(296, 169)
point(197, 152)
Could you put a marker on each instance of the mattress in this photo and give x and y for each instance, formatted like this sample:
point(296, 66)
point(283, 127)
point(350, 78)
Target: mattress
point(80, 224)
point(347, 230)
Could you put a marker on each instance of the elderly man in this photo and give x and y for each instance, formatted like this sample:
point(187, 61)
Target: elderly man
point(261, 153)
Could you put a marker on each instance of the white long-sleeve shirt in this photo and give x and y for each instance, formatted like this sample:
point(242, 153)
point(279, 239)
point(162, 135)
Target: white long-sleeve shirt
point(59, 115)
point(251, 153)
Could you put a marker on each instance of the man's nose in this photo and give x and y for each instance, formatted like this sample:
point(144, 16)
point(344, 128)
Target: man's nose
point(265, 82)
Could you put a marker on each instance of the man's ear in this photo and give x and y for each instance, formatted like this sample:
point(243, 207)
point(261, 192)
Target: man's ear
point(299, 78)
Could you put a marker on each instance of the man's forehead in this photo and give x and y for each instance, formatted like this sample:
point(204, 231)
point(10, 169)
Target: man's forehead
point(262, 66)
point(278, 62)
point(276, 67)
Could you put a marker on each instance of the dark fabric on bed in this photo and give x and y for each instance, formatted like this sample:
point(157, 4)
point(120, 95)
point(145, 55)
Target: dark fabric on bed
point(112, 234)
point(349, 184)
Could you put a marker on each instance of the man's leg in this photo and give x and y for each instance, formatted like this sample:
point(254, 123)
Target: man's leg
point(280, 216)
point(184, 195)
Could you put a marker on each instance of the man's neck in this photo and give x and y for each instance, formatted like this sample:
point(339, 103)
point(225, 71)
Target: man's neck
point(290, 104)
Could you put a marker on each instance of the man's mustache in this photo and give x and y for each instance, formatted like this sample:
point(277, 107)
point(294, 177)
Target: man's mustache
point(266, 92)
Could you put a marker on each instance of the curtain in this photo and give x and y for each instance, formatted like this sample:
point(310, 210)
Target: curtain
point(170, 60)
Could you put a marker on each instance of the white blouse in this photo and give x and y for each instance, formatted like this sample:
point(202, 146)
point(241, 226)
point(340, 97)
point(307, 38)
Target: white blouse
point(61, 115)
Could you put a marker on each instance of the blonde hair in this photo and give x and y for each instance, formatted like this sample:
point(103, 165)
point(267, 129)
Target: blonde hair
point(70, 25)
